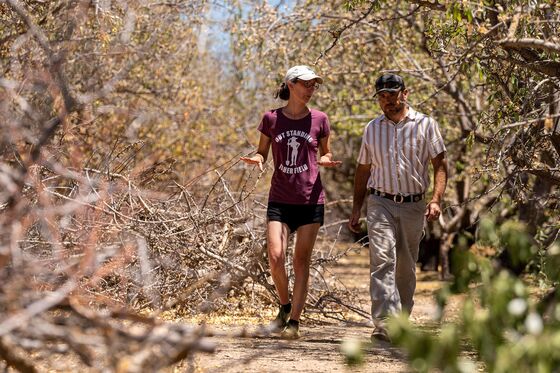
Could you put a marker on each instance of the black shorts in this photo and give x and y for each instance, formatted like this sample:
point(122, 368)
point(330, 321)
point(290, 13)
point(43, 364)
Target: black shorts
point(295, 215)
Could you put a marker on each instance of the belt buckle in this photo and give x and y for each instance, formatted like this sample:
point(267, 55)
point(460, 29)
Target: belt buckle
point(395, 198)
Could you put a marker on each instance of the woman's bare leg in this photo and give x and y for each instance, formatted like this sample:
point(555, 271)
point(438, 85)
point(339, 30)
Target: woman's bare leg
point(277, 243)
point(305, 240)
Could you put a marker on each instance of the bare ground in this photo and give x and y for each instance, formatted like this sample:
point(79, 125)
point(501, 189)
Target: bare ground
point(319, 348)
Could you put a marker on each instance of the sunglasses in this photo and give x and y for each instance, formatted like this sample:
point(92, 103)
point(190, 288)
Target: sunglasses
point(308, 83)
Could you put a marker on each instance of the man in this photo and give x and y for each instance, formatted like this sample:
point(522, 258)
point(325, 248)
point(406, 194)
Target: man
point(393, 168)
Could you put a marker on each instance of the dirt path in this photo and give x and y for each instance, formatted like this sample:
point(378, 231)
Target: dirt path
point(319, 348)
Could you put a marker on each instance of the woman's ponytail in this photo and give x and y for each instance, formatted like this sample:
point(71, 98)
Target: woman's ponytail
point(283, 92)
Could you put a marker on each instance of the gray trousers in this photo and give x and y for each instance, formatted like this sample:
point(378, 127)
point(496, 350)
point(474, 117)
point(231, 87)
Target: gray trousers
point(395, 231)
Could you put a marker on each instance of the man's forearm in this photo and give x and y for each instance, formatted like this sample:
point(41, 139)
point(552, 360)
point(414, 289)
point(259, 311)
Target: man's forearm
point(360, 186)
point(440, 179)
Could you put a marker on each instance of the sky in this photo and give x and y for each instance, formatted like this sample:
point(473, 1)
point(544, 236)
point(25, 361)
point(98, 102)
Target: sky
point(214, 36)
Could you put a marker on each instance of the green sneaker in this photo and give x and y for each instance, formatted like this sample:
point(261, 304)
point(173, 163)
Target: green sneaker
point(291, 331)
point(281, 320)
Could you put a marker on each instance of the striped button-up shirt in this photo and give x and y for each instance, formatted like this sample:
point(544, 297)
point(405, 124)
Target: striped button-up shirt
point(399, 154)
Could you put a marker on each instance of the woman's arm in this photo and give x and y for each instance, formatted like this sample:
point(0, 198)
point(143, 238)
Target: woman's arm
point(262, 152)
point(325, 152)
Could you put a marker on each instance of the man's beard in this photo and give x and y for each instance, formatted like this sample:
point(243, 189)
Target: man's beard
point(397, 108)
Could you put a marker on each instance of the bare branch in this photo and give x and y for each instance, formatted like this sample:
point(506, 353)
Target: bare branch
point(530, 43)
point(336, 35)
point(55, 60)
point(51, 300)
point(428, 4)
point(12, 359)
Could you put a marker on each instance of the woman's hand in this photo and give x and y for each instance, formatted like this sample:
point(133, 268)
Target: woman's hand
point(326, 161)
point(256, 159)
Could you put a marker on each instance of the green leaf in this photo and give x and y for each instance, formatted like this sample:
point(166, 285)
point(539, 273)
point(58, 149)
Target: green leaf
point(470, 140)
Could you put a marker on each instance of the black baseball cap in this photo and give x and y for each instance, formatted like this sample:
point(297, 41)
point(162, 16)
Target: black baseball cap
point(388, 83)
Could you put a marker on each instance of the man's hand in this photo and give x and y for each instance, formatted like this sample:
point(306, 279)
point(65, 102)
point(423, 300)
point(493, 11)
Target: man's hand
point(256, 159)
point(326, 161)
point(354, 222)
point(360, 191)
point(433, 210)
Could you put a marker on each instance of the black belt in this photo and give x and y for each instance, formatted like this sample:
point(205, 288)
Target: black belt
point(398, 198)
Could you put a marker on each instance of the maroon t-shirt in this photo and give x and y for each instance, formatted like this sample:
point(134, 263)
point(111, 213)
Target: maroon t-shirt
point(296, 178)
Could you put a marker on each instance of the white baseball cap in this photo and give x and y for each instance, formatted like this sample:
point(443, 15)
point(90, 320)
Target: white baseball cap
point(302, 72)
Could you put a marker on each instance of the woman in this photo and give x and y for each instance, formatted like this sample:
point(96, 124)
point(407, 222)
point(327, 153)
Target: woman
point(296, 199)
